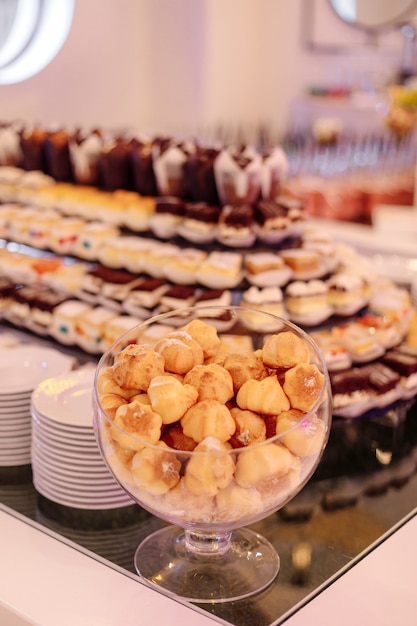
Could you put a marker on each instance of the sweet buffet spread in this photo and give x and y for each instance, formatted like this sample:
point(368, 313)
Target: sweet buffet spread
point(83, 262)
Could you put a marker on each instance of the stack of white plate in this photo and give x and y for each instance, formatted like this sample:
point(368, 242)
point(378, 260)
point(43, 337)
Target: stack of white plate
point(22, 368)
point(67, 466)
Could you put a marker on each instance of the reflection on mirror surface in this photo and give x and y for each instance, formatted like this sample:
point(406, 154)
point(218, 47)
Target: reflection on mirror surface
point(373, 14)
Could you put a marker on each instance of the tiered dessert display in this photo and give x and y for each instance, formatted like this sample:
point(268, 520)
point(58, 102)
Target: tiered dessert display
point(87, 258)
point(211, 438)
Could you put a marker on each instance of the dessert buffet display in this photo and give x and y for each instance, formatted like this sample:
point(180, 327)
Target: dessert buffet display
point(212, 439)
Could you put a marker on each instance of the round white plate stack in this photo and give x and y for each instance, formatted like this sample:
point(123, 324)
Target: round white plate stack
point(22, 368)
point(67, 465)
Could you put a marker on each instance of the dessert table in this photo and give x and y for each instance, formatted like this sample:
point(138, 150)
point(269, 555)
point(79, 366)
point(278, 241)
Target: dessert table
point(349, 534)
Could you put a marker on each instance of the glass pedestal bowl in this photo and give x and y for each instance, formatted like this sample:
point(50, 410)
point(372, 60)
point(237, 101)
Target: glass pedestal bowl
point(211, 419)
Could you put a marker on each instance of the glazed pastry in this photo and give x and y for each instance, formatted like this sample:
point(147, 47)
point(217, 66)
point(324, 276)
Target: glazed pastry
point(302, 435)
point(180, 352)
point(263, 396)
point(303, 385)
point(285, 350)
point(209, 473)
point(136, 365)
point(205, 335)
point(136, 424)
point(244, 366)
point(258, 464)
point(156, 469)
point(250, 428)
point(211, 382)
point(208, 418)
point(171, 398)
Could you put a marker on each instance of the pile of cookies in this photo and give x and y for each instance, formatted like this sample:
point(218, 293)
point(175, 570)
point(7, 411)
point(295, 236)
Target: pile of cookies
point(199, 434)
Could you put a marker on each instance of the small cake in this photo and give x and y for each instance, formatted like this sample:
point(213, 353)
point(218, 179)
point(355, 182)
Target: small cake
point(169, 159)
point(352, 393)
point(221, 270)
point(91, 238)
point(334, 350)
point(117, 327)
point(158, 257)
point(174, 298)
point(215, 297)
point(136, 210)
point(106, 286)
point(236, 225)
point(10, 151)
point(266, 299)
point(42, 309)
point(32, 141)
point(238, 175)
point(274, 172)
point(272, 222)
point(360, 341)
point(116, 285)
point(144, 296)
point(115, 172)
point(64, 234)
point(57, 156)
point(199, 223)
point(144, 181)
point(266, 269)
point(305, 264)
point(91, 329)
point(346, 293)
point(23, 298)
point(182, 269)
point(199, 175)
point(39, 231)
point(307, 302)
point(168, 215)
point(388, 331)
point(65, 318)
point(84, 152)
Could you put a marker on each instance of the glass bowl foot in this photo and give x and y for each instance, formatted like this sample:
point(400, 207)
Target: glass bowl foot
point(205, 568)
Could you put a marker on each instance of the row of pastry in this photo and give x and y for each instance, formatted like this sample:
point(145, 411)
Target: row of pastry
point(372, 361)
point(309, 257)
point(232, 225)
point(191, 169)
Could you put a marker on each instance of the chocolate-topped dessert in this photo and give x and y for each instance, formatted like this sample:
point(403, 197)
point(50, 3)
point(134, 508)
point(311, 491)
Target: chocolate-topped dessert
point(57, 155)
point(116, 165)
point(143, 175)
point(202, 212)
point(170, 204)
point(401, 362)
point(33, 149)
point(350, 381)
point(199, 176)
point(237, 215)
point(381, 377)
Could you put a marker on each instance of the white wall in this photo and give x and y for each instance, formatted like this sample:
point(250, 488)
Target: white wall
point(188, 65)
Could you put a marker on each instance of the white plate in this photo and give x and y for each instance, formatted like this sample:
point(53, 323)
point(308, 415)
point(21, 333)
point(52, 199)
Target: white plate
point(24, 367)
point(81, 503)
point(74, 451)
point(63, 458)
point(59, 436)
point(25, 412)
point(89, 476)
point(67, 399)
point(62, 430)
point(80, 487)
